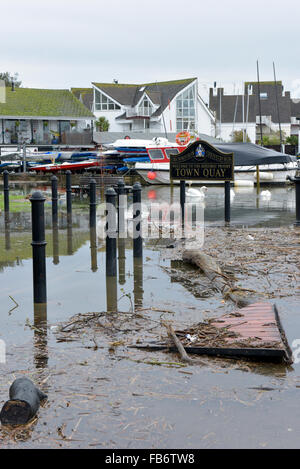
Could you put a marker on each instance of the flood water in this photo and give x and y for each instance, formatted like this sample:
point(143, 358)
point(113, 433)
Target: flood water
point(114, 397)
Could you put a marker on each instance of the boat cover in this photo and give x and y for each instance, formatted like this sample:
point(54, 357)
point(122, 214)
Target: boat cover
point(249, 154)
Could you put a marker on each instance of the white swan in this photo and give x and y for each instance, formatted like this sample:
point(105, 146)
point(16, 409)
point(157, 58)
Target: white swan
point(265, 195)
point(200, 193)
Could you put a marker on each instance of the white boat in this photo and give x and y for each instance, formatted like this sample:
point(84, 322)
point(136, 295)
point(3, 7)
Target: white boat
point(157, 170)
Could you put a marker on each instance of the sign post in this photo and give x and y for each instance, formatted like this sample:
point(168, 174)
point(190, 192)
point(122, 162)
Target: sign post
point(201, 161)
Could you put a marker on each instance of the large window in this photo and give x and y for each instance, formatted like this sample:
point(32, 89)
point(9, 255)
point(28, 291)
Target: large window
point(145, 108)
point(103, 103)
point(186, 110)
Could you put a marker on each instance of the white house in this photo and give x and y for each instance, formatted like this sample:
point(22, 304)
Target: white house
point(266, 104)
point(161, 107)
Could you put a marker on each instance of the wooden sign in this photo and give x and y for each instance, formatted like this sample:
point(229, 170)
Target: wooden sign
point(202, 161)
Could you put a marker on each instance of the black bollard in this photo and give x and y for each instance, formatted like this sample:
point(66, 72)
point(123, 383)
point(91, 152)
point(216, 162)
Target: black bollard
point(111, 233)
point(121, 207)
point(296, 180)
point(182, 200)
point(137, 221)
point(69, 193)
point(227, 201)
point(6, 190)
point(24, 402)
point(93, 203)
point(38, 248)
point(54, 200)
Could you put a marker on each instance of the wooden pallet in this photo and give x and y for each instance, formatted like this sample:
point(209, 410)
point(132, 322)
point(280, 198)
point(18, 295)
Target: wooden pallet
point(257, 325)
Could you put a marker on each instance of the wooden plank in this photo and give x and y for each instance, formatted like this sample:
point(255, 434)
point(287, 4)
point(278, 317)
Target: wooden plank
point(256, 325)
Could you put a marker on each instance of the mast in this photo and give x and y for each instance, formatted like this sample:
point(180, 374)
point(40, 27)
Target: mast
point(259, 105)
point(277, 105)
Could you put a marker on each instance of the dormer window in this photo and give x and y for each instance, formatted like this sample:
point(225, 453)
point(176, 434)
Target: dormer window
point(145, 108)
point(103, 103)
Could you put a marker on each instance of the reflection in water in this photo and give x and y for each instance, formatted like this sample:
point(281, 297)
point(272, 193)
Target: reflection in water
point(55, 244)
point(7, 231)
point(111, 294)
point(69, 236)
point(93, 246)
point(121, 260)
point(138, 281)
point(40, 335)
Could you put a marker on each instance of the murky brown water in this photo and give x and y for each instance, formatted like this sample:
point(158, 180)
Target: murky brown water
point(105, 394)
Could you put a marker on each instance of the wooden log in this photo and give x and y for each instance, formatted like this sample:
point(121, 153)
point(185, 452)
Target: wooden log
point(214, 273)
point(180, 348)
point(24, 402)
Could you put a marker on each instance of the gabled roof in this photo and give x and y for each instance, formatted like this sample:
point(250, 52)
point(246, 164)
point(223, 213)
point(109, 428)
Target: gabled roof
point(160, 93)
point(85, 96)
point(33, 102)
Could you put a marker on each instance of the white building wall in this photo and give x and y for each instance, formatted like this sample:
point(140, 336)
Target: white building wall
point(115, 126)
point(227, 130)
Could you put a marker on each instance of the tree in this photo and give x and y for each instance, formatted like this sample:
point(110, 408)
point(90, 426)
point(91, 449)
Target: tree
point(273, 139)
point(102, 124)
point(292, 140)
point(237, 136)
point(8, 78)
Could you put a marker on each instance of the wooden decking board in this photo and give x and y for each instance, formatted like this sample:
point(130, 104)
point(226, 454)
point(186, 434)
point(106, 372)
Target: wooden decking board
point(257, 325)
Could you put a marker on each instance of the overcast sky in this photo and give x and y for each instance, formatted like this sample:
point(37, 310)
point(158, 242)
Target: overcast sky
point(65, 43)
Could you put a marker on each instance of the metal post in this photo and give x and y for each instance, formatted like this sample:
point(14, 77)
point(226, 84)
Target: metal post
point(24, 158)
point(296, 180)
point(54, 200)
point(137, 220)
point(111, 232)
point(93, 203)
point(69, 193)
point(182, 200)
point(38, 248)
point(257, 180)
point(227, 201)
point(6, 190)
point(121, 207)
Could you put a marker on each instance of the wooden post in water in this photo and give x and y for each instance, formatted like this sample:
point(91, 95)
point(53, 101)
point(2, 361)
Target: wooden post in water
point(54, 200)
point(182, 201)
point(6, 191)
point(93, 203)
point(69, 194)
point(137, 221)
point(257, 180)
point(227, 201)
